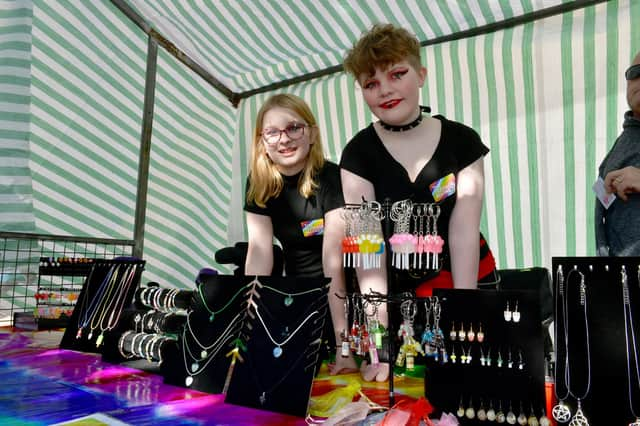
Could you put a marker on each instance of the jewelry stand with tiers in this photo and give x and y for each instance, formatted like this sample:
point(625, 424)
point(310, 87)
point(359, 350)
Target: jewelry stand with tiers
point(602, 370)
point(106, 293)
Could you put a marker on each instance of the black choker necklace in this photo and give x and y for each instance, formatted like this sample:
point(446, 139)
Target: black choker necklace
point(404, 128)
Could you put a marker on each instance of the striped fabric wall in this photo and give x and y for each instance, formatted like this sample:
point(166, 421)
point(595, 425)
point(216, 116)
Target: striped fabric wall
point(547, 98)
point(16, 197)
point(89, 64)
point(190, 177)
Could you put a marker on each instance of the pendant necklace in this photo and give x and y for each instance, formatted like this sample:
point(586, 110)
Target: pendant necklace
point(277, 350)
point(212, 313)
point(561, 412)
point(579, 418)
point(628, 324)
point(104, 301)
point(84, 308)
point(288, 297)
point(415, 123)
point(208, 352)
point(120, 301)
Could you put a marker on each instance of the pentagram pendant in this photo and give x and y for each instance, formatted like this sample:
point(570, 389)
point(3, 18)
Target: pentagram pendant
point(636, 423)
point(263, 398)
point(203, 353)
point(277, 351)
point(288, 300)
point(194, 367)
point(212, 317)
point(561, 412)
point(188, 381)
point(579, 419)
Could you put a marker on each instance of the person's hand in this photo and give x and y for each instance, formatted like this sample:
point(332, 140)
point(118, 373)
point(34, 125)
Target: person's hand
point(343, 365)
point(623, 181)
point(379, 372)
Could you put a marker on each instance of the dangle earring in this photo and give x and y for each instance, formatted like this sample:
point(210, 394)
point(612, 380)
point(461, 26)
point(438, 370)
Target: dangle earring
point(511, 416)
point(500, 417)
point(481, 413)
point(520, 360)
point(453, 357)
point(544, 420)
point(483, 360)
point(453, 334)
point(491, 413)
point(499, 361)
point(509, 360)
point(516, 314)
point(522, 418)
point(461, 410)
point(470, 412)
point(461, 333)
point(480, 334)
point(488, 358)
point(471, 336)
point(532, 420)
point(507, 313)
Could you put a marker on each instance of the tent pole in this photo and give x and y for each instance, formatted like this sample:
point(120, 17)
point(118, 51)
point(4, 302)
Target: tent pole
point(145, 147)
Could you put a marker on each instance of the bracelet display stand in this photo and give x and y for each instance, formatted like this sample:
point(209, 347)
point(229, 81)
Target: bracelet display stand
point(106, 293)
point(605, 380)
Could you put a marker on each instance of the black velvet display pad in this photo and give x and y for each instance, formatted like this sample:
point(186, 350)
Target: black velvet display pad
point(607, 402)
point(218, 292)
point(90, 298)
point(449, 384)
point(281, 384)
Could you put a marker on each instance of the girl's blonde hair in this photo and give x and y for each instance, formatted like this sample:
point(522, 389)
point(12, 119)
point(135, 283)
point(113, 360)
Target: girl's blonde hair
point(265, 181)
point(380, 47)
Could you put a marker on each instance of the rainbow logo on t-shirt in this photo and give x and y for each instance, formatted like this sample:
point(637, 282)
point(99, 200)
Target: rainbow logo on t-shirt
point(444, 187)
point(312, 227)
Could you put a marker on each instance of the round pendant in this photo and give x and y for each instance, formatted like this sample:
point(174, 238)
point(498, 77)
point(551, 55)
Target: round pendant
point(288, 300)
point(480, 336)
point(491, 414)
point(500, 417)
point(511, 418)
point(482, 415)
point(470, 413)
point(194, 367)
point(636, 423)
point(277, 351)
point(460, 411)
point(533, 421)
point(561, 413)
point(188, 381)
point(203, 354)
point(212, 317)
point(544, 421)
point(522, 419)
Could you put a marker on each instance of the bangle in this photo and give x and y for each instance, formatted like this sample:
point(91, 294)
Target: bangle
point(121, 344)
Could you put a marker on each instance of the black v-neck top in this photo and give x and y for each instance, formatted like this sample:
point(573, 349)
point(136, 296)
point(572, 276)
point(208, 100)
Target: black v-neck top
point(459, 146)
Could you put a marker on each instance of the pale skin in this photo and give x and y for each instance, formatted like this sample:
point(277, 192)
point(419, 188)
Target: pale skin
point(392, 94)
point(626, 180)
point(259, 259)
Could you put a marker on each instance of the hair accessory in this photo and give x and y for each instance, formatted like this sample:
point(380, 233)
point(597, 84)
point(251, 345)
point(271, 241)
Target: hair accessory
point(415, 123)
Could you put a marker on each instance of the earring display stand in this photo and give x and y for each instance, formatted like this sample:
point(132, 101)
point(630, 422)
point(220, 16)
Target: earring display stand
point(102, 300)
point(519, 383)
point(607, 399)
point(282, 334)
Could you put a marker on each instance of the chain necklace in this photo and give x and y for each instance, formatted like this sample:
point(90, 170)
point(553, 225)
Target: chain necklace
point(628, 323)
point(277, 351)
point(561, 412)
point(103, 301)
point(208, 352)
point(120, 300)
point(213, 313)
point(85, 308)
point(288, 299)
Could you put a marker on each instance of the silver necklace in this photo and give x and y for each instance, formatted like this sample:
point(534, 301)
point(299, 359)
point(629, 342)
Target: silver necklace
point(628, 323)
point(277, 351)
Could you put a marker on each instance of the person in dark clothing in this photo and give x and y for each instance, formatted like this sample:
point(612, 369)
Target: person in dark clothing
point(294, 194)
point(618, 226)
point(408, 155)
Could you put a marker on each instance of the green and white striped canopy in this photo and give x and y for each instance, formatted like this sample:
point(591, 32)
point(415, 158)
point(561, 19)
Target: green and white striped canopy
point(547, 96)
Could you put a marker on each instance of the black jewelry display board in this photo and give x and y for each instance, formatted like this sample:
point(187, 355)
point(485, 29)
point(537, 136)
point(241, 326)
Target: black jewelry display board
point(519, 381)
point(607, 399)
point(91, 297)
point(218, 292)
point(278, 376)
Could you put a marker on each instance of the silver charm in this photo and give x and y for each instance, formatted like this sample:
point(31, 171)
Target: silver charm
point(561, 412)
point(579, 419)
point(188, 381)
point(263, 398)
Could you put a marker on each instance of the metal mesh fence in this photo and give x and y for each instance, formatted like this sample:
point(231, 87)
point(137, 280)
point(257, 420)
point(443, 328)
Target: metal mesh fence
point(29, 279)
